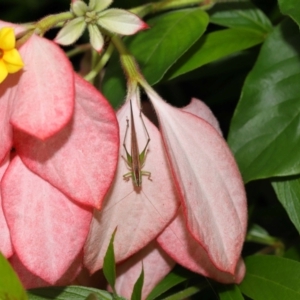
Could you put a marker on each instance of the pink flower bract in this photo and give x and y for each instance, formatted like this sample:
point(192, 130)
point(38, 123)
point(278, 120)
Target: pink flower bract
point(208, 181)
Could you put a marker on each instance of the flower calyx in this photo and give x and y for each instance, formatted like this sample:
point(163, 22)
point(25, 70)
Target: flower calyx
point(96, 17)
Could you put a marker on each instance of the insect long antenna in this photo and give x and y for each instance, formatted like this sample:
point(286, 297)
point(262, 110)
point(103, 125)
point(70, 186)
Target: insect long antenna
point(145, 128)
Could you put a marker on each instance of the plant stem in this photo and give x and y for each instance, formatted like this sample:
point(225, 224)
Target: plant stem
point(128, 62)
point(101, 63)
point(50, 21)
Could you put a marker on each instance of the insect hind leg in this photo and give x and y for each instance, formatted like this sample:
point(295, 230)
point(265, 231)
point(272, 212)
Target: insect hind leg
point(146, 173)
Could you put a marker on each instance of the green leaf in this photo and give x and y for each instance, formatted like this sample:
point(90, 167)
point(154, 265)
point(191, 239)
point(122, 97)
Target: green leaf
point(157, 49)
point(114, 83)
point(67, 293)
point(290, 8)
point(243, 16)
point(264, 131)
point(258, 234)
point(293, 253)
point(271, 277)
point(109, 264)
point(229, 292)
point(10, 285)
point(288, 193)
point(214, 46)
point(177, 276)
point(170, 36)
point(138, 287)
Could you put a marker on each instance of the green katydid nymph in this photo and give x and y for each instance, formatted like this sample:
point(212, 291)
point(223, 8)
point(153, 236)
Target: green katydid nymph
point(136, 160)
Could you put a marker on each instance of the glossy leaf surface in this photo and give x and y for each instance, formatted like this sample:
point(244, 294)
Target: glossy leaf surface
point(288, 193)
point(214, 46)
point(232, 15)
point(290, 8)
point(271, 277)
point(264, 130)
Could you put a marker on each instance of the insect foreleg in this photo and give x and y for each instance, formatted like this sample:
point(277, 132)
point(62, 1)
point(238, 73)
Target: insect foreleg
point(127, 176)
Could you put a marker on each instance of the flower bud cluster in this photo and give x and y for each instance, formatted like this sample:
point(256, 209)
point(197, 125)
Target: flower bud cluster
point(97, 18)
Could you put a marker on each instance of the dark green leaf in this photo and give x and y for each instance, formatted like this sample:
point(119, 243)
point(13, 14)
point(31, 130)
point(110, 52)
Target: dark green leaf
point(249, 17)
point(258, 234)
point(67, 293)
point(271, 277)
point(109, 264)
point(214, 46)
point(10, 285)
point(229, 292)
point(157, 49)
point(178, 275)
point(288, 193)
point(114, 83)
point(138, 287)
point(264, 131)
point(290, 8)
point(293, 253)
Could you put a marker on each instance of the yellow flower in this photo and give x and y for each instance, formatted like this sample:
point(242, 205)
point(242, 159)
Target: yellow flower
point(10, 59)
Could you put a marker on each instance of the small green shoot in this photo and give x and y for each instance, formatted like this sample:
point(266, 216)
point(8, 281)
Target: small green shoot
point(138, 287)
point(109, 264)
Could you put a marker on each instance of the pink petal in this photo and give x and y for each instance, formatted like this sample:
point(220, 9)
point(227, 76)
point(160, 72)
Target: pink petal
point(47, 229)
point(7, 96)
point(209, 182)
point(81, 159)
point(156, 266)
point(5, 242)
point(28, 279)
point(181, 246)
point(16, 27)
point(44, 97)
point(201, 110)
point(139, 213)
point(31, 281)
